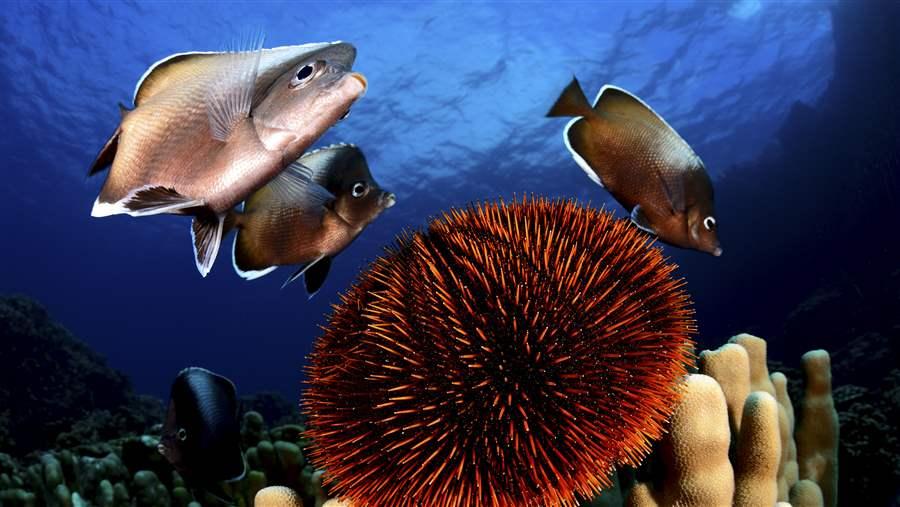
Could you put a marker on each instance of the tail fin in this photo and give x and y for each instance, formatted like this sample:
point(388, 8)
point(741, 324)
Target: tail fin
point(571, 102)
point(206, 232)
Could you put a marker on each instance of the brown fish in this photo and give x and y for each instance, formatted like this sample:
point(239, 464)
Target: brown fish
point(209, 129)
point(624, 146)
point(307, 215)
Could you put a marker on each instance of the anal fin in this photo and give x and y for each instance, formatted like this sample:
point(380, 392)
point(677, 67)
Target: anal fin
point(206, 234)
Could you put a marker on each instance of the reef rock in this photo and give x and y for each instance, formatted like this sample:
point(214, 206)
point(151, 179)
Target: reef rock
point(59, 382)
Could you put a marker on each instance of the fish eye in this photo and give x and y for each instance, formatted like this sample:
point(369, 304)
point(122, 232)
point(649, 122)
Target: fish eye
point(359, 188)
point(182, 434)
point(307, 73)
point(709, 223)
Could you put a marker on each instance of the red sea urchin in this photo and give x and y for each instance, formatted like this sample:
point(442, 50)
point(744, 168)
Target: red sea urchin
point(511, 355)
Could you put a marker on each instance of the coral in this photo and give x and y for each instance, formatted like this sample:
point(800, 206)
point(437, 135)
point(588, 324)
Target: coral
point(806, 493)
point(134, 474)
point(277, 496)
point(766, 463)
point(60, 382)
point(495, 360)
point(696, 453)
point(758, 452)
point(788, 469)
point(818, 429)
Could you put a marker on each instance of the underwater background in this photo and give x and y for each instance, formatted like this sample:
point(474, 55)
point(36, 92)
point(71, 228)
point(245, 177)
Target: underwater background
point(793, 106)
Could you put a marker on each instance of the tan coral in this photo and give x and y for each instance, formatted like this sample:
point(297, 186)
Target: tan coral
point(806, 493)
point(767, 458)
point(759, 370)
point(730, 366)
point(695, 452)
point(277, 496)
point(757, 454)
point(818, 432)
point(788, 472)
point(334, 502)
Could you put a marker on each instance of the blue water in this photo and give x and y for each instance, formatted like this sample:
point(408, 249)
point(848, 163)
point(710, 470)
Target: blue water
point(454, 113)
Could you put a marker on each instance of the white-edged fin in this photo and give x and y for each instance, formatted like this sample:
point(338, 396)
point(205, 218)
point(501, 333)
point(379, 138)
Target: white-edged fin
point(297, 185)
point(247, 275)
point(147, 200)
point(206, 237)
point(155, 200)
point(640, 220)
point(614, 100)
point(230, 94)
point(582, 163)
point(297, 274)
point(243, 471)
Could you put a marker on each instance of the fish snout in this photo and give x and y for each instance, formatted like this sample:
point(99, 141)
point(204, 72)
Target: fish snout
point(717, 252)
point(360, 79)
point(388, 199)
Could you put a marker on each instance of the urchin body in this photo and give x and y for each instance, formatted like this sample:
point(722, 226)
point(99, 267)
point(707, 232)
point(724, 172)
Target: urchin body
point(512, 354)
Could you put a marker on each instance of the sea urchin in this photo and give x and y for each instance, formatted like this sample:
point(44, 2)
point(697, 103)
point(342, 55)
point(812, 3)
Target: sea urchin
point(511, 355)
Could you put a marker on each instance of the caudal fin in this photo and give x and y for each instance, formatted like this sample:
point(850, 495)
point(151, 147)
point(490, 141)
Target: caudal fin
point(571, 102)
point(206, 233)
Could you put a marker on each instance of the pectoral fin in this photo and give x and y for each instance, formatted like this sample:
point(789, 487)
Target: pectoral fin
point(674, 190)
point(296, 186)
point(639, 219)
point(206, 234)
point(230, 95)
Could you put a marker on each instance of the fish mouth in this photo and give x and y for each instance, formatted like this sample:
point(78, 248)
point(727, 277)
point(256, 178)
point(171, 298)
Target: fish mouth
point(717, 252)
point(362, 80)
point(388, 199)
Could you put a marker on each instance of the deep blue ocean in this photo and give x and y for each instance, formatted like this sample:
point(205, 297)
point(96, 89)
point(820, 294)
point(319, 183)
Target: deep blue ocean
point(454, 114)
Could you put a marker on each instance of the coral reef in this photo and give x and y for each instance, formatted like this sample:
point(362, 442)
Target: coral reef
point(134, 474)
point(62, 383)
point(494, 360)
point(754, 460)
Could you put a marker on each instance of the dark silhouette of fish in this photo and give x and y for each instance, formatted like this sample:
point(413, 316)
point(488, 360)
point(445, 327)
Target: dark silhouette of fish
point(201, 435)
point(307, 215)
point(209, 129)
point(624, 146)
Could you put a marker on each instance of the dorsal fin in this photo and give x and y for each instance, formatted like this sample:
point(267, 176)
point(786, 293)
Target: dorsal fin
point(615, 101)
point(319, 164)
point(107, 153)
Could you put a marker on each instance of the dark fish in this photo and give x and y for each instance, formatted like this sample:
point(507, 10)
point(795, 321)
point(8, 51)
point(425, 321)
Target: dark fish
point(307, 215)
point(209, 129)
point(201, 435)
point(624, 146)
